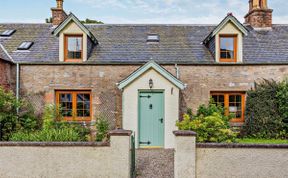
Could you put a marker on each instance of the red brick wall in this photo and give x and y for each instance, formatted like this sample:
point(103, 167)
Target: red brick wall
point(43, 80)
point(259, 18)
point(6, 75)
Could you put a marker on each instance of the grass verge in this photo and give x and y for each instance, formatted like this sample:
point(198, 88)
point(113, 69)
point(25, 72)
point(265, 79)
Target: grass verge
point(261, 141)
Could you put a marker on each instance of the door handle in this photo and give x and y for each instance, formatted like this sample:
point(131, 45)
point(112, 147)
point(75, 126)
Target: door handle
point(161, 120)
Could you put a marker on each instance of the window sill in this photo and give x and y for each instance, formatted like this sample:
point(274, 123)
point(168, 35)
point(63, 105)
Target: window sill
point(228, 60)
point(77, 120)
point(73, 60)
point(236, 124)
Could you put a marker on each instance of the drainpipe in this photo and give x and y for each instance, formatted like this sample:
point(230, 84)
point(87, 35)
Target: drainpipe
point(17, 83)
point(177, 71)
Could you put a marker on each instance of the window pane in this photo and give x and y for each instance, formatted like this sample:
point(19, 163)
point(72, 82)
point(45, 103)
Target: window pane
point(215, 98)
point(227, 43)
point(231, 98)
point(238, 98)
point(221, 98)
point(227, 47)
point(74, 47)
point(83, 105)
point(218, 99)
point(223, 54)
point(235, 105)
point(65, 101)
point(230, 55)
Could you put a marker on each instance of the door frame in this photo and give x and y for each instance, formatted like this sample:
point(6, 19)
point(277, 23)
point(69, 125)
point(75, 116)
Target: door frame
point(138, 113)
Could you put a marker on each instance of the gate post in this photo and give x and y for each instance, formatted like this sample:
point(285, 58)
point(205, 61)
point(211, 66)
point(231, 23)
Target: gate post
point(185, 154)
point(120, 144)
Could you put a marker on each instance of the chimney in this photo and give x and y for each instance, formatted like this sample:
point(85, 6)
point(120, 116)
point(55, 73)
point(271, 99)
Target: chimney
point(259, 15)
point(58, 14)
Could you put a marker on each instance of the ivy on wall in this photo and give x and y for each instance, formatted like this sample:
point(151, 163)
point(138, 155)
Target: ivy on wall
point(266, 113)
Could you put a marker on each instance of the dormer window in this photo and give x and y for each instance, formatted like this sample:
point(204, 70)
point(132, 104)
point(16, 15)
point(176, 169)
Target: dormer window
point(73, 48)
point(228, 48)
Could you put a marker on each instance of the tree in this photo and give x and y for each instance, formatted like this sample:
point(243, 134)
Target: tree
point(91, 21)
point(87, 21)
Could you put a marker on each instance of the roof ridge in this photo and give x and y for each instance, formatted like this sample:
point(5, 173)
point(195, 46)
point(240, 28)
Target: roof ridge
point(24, 23)
point(107, 24)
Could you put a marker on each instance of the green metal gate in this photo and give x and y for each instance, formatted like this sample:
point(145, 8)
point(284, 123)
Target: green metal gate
point(133, 157)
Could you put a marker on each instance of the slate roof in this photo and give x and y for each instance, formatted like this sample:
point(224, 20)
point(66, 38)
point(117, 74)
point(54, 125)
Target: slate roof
point(3, 54)
point(126, 44)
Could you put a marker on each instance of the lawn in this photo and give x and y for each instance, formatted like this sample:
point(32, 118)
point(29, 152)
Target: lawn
point(262, 141)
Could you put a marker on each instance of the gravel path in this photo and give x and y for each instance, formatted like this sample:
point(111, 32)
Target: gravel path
point(155, 163)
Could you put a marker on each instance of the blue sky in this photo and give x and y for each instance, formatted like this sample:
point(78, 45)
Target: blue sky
point(138, 11)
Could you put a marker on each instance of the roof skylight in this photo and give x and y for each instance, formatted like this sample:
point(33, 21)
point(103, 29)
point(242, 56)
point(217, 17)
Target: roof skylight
point(8, 33)
point(153, 38)
point(25, 45)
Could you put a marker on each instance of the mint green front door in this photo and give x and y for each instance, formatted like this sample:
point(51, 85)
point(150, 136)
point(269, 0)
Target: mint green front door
point(151, 119)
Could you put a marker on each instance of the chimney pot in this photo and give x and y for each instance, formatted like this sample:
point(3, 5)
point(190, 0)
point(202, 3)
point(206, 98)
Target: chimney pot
point(229, 14)
point(60, 4)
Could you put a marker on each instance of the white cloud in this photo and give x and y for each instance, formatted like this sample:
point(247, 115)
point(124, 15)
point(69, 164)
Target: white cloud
point(280, 19)
point(174, 11)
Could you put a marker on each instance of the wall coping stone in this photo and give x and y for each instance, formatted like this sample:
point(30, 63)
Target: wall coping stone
point(237, 145)
point(184, 133)
point(54, 144)
point(120, 132)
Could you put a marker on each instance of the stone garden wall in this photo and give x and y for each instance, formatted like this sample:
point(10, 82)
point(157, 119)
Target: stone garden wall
point(61, 160)
point(228, 160)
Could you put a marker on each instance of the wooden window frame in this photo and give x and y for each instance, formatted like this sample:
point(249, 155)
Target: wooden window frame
point(66, 59)
point(226, 103)
point(74, 104)
point(235, 37)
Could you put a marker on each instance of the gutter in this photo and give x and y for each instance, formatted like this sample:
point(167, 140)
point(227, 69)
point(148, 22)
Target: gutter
point(177, 71)
point(99, 63)
point(17, 83)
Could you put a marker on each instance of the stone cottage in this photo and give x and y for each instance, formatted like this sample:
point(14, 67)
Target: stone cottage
point(142, 77)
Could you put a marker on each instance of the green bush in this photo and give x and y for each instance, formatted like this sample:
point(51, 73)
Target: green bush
point(52, 119)
point(54, 129)
point(102, 127)
point(83, 131)
point(266, 111)
point(51, 135)
point(282, 99)
point(10, 121)
point(210, 124)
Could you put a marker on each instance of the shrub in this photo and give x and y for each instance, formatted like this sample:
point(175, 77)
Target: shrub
point(53, 129)
point(51, 135)
point(266, 111)
point(52, 119)
point(282, 100)
point(27, 119)
point(82, 130)
point(9, 120)
point(210, 124)
point(102, 127)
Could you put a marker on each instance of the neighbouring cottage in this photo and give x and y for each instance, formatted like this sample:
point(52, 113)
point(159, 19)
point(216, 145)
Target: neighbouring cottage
point(142, 77)
point(6, 70)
